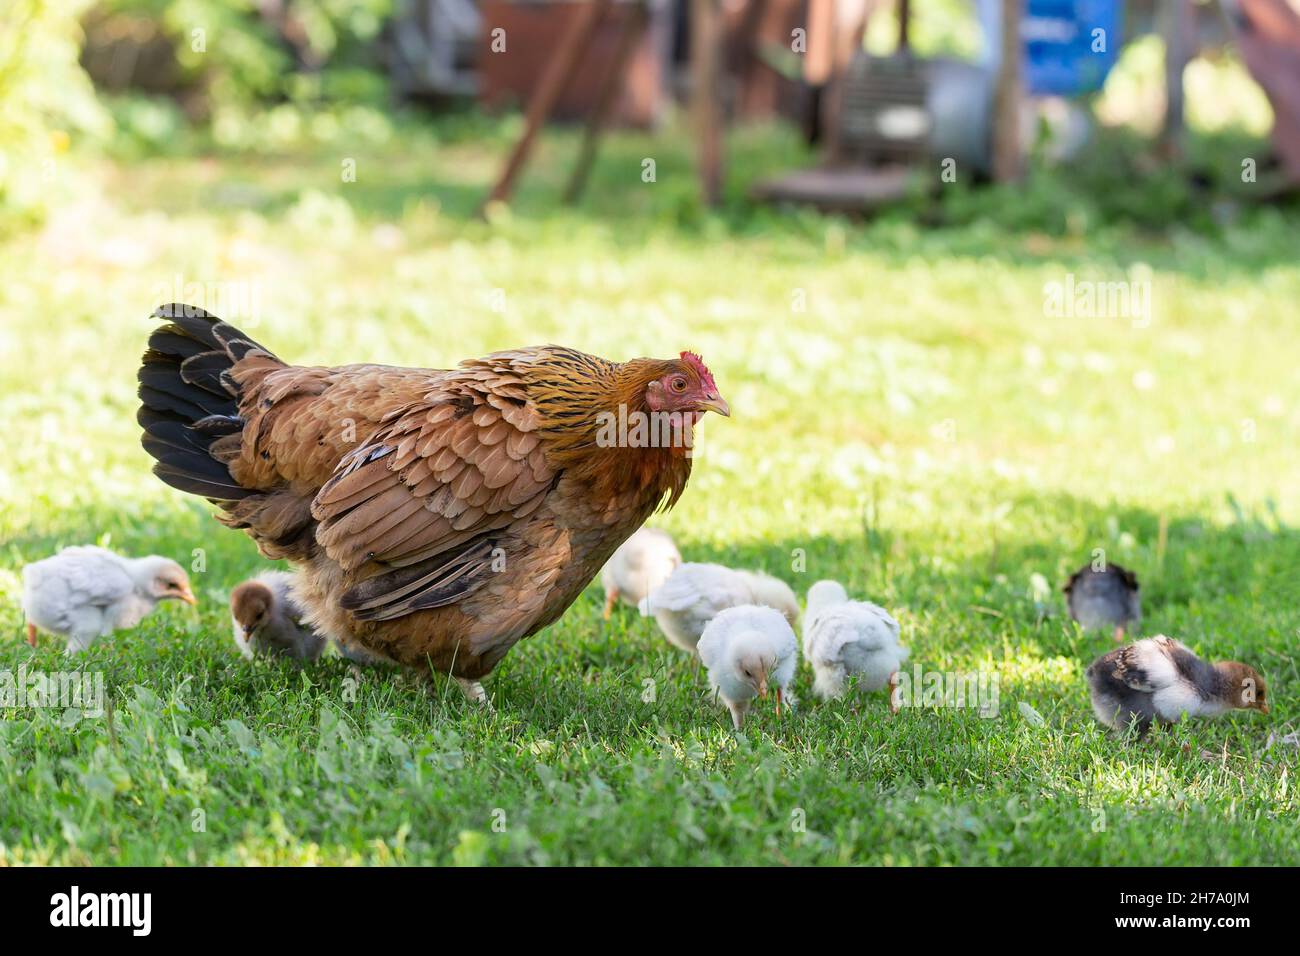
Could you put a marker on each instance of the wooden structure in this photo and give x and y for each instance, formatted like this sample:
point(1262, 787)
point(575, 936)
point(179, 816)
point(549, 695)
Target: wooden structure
point(630, 38)
point(873, 110)
point(571, 53)
point(1268, 34)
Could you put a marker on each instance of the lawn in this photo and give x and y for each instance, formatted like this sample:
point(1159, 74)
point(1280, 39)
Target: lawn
point(908, 417)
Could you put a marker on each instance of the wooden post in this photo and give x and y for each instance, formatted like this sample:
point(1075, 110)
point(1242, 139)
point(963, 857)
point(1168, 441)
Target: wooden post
point(559, 72)
point(706, 95)
point(1174, 20)
point(1008, 165)
point(633, 28)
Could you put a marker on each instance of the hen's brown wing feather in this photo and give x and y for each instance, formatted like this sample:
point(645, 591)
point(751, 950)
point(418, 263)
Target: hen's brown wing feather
point(422, 498)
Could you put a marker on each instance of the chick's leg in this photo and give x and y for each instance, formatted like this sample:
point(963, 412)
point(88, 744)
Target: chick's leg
point(738, 710)
point(78, 642)
point(610, 598)
point(31, 633)
point(829, 680)
point(474, 691)
point(894, 705)
point(1119, 633)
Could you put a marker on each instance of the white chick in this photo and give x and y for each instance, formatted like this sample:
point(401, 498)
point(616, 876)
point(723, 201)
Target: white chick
point(842, 638)
point(268, 621)
point(774, 593)
point(695, 593)
point(85, 593)
point(641, 564)
point(746, 649)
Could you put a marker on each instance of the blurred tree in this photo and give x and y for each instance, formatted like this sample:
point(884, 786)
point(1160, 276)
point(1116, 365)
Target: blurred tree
point(46, 103)
point(218, 53)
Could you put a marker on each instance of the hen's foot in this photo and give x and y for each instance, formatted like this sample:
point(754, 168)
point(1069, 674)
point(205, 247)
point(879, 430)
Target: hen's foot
point(474, 691)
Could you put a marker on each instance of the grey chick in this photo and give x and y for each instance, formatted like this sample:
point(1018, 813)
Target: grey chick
point(1106, 598)
point(268, 621)
point(1160, 679)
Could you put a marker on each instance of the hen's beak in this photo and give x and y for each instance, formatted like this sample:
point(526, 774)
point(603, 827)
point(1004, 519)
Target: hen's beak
point(713, 402)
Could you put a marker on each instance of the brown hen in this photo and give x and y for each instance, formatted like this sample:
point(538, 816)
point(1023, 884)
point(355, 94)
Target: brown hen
point(435, 518)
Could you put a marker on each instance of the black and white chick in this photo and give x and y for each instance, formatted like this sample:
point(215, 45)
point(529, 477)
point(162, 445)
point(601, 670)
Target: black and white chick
point(1160, 680)
point(1106, 598)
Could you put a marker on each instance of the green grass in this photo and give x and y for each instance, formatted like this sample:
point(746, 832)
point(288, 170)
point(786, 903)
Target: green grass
point(919, 430)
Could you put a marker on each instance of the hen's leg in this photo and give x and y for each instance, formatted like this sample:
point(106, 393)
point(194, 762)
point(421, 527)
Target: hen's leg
point(610, 598)
point(474, 691)
point(31, 633)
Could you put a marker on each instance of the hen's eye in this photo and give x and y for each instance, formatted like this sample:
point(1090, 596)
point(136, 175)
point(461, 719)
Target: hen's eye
point(678, 385)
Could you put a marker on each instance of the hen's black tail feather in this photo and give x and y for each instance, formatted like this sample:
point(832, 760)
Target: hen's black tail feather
point(188, 399)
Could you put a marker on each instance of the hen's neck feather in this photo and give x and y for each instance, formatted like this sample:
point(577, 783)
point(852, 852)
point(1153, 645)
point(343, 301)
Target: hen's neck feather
point(570, 390)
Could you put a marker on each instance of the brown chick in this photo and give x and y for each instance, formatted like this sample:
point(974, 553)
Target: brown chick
point(268, 621)
point(437, 517)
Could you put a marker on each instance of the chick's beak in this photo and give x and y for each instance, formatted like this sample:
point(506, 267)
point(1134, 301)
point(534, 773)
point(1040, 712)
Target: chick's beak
point(713, 402)
point(1263, 708)
point(188, 597)
point(762, 687)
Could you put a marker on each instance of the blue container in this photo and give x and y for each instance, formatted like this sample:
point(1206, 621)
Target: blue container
point(1070, 45)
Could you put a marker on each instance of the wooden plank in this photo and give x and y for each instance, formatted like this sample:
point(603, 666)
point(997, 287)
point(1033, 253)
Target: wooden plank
point(848, 189)
point(1174, 19)
point(1008, 163)
point(706, 96)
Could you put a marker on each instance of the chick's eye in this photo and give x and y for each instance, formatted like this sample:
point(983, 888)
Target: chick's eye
point(678, 384)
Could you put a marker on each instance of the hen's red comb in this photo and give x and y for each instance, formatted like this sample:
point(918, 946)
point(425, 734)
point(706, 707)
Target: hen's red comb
point(694, 361)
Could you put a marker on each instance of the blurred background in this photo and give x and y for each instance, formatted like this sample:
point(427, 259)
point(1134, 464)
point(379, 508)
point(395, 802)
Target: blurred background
point(859, 211)
point(1137, 112)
